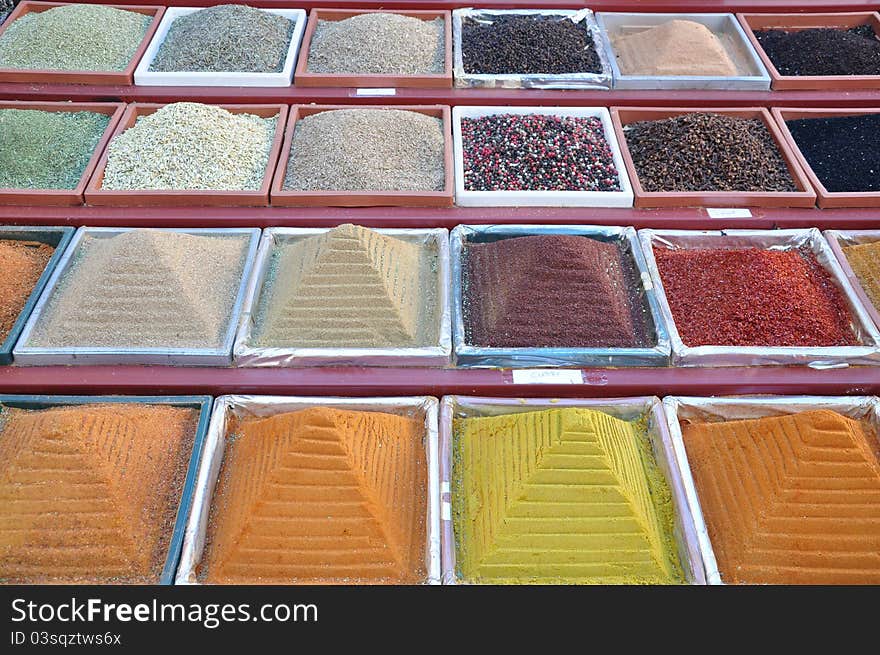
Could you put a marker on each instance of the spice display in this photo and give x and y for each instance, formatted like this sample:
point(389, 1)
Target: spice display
point(188, 146)
point(79, 37)
point(701, 151)
point(527, 45)
point(6, 7)
point(552, 290)
point(320, 495)
point(349, 287)
point(790, 499)
point(367, 150)
point(676, 47)
point(21, 265)
point(378, 44)
point(145, 288)
point(753, 297)
point(47, 149)
point(225, 38)
point(536, 152)
point(843, 151)
point(90, 492)
point(823, 51)
point(864, 260)
point(566, 495)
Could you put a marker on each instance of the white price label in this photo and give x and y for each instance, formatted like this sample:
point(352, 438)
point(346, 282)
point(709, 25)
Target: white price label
point(547, 376)
point(376, 92)
point(445, 511)
point(728, 212)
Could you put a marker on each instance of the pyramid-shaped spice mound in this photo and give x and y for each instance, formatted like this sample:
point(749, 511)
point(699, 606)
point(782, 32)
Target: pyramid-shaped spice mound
point(560, 496)
point(90, 493)
point(676, 47)
point(790, 499)
point(320, 495)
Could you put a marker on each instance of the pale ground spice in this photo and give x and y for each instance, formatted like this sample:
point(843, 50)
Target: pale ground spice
point(21, 265)
point(677, 47)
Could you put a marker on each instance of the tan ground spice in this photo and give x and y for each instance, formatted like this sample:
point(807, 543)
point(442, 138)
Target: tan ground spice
point(864, 259)
point(677, 47)
point(21, 265)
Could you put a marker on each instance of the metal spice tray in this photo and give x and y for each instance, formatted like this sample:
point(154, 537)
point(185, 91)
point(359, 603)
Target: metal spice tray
point(490, 357)
point(838, 239)
point(143, 76)
point(201, 403)
point(628, 409)
point(226, 407)
point(26, 355)
point(754, 76)
point(817, 357)
point(437, 354)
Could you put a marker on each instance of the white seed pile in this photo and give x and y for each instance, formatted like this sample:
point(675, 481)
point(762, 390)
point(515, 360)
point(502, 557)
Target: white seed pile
point(191, 146)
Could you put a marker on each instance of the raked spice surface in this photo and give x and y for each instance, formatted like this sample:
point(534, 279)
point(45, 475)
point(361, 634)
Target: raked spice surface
point(21, 265)
point(823, 51)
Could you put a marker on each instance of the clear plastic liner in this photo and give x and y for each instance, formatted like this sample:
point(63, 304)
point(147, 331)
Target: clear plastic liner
point(491, 357)
point(839, 239)
point(868, 352)
point(260, 406)
point(585, 17)
point(626, 409)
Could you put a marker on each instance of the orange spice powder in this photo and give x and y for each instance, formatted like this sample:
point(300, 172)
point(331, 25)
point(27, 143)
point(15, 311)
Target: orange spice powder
point(21, 265)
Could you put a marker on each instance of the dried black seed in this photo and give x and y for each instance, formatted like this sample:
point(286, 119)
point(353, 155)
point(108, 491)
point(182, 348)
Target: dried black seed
point(854, 51)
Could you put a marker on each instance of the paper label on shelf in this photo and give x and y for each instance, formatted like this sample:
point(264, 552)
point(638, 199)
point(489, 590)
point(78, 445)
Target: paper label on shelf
point(376, 92)
point(547, 376)
point(445, 511)
point(728, 212)
point(444, 487)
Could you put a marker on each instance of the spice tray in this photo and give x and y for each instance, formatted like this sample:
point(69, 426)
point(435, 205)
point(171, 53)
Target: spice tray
point(63, 197)
point(45, 76)
point(228, 407)
point(283, 198)
point(681, 409)
point(146, 77)
point(467, 355)
point(803, 197)
point(438, 354)
point(201, 403)
point(628, 409)
point(753, 76)
point(58, 237)
point(466, 198)
point(27, 355)
point(366, 80)
point(826, 198)
point(585, 17)
point(838, 239)
point(868, 352)
point(95, 194)
point(796, 22)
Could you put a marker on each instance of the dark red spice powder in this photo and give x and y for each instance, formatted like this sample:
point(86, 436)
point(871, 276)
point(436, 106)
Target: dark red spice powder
point(21, 265)
point(753, 297)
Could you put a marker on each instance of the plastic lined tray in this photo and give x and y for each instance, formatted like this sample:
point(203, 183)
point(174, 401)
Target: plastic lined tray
point(837, 239)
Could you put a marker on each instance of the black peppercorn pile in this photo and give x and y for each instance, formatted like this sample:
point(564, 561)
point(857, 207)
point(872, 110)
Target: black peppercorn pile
point(512, 152)
point(706, 152)
point(855, 51)
point(527, 45)
point(844, 152)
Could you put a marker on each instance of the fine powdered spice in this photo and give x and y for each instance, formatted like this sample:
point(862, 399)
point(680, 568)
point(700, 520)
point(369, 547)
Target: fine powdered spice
point(823, 51)
point(79, 37)
point(47, 149)
point(537, 152)
point(676, 47)
point(320, 495)
point(145, 288)
point(864, 259)
point(188, 146)
point(90, 493)
point(753, 297)
point(350, 287)
point(790, 499)
point(552, 290)
point(378, 44)
point(21, 265)
point(527, 45)
point(225, 38)
point(367, 150)
point(843, 151)
point(707, 152)
point(566, 496)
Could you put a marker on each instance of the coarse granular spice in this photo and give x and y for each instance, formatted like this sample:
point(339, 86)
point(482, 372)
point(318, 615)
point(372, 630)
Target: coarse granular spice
point(189, 146)
point(843, 151)
point(753, 297)
point(823, 51)
point(527, 45)
point(47, 149)
point(367, 150)
point(378, 44)
point(74, 38)
point(21, 265)
point(552, 291)
point(225, 38)
point(701, 151)
point(864, 260)
point(537, 152)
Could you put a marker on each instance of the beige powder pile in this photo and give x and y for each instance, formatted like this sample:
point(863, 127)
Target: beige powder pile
point(678, 47)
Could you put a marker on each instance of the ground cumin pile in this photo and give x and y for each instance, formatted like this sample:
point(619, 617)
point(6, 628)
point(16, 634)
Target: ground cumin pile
point(21, 265)
point(864, 259)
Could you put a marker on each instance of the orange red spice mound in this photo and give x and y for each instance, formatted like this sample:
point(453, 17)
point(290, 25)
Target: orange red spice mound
point(21, 265)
